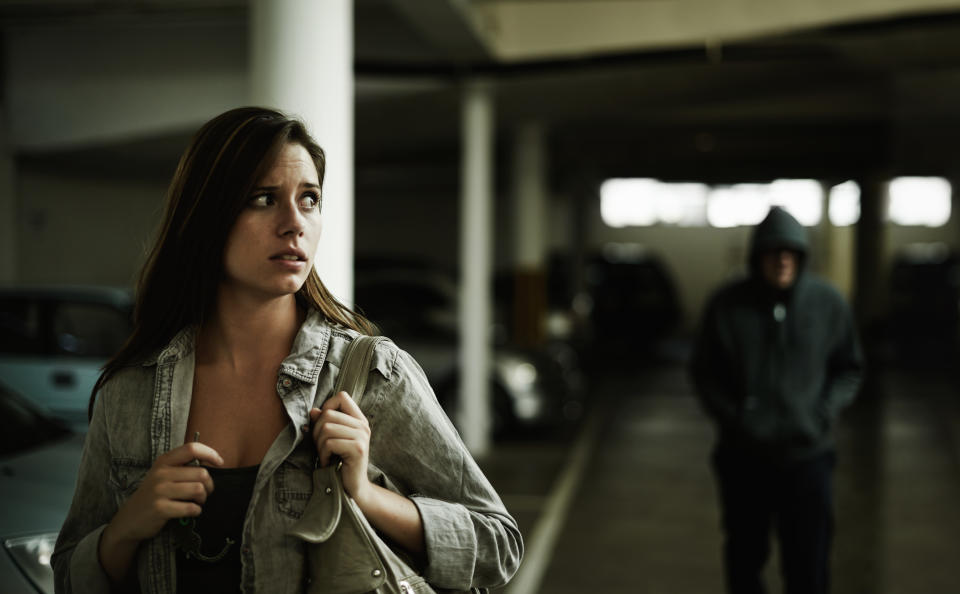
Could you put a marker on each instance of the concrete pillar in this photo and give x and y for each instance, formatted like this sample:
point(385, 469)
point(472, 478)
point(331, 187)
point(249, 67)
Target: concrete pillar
point(530, 235)
point(302, 64)
point(8, 205)
point(954, 221)
point(825, 244)
point(870, 284)
point(476, 214)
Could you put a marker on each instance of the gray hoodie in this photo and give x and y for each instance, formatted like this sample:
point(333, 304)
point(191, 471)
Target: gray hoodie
point(775, 367)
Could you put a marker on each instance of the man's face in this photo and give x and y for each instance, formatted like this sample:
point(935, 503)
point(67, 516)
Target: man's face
point(779, 267)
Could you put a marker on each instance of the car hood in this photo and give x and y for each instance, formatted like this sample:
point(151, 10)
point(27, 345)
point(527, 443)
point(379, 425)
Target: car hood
point(37, 486)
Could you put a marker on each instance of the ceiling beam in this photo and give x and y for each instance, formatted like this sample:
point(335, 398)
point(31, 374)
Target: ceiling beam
point(444, 24)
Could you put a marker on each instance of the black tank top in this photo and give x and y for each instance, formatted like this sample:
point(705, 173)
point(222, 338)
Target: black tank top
point(208, 546)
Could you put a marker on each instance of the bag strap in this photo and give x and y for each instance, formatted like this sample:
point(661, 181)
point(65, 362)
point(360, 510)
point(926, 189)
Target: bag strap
point(356, 366)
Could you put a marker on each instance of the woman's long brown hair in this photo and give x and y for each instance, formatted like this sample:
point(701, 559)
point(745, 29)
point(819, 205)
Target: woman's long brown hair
point(178, 283)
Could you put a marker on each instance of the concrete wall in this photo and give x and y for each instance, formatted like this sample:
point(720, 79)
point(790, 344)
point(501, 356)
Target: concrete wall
point(102, 80)
point(76, 230)
point(703, 258)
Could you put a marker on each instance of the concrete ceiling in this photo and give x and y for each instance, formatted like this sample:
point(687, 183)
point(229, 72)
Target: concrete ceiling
point(829, 101)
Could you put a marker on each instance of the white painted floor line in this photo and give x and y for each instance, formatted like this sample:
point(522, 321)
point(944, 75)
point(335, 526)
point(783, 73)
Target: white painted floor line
point(540, 544)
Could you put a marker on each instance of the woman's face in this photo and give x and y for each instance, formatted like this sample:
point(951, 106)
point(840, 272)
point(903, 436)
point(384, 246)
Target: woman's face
point(271, 247)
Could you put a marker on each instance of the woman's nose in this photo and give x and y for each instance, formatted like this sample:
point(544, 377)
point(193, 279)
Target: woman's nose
point(291, 219)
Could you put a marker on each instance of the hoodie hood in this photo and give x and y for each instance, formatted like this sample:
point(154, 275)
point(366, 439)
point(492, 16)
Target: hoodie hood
point(778, 230)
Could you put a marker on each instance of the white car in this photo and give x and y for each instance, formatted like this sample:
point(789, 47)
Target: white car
point(54, 340)
point(39, 459)
point(417, 308)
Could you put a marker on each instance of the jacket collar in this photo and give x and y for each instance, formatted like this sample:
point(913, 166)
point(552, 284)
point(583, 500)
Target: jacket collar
point(304, 362)
point(181, 345)
point(309, 349)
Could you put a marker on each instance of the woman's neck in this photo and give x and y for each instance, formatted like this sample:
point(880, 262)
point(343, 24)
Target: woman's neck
point(242, 333)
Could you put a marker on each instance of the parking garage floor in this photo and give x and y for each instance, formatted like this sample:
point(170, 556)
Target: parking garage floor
point(628, 503)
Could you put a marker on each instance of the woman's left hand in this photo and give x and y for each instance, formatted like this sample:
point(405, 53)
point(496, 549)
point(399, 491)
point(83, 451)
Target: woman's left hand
point(340, 429)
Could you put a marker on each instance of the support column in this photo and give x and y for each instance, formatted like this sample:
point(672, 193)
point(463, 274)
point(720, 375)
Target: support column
point(530, 212)
point(870, 286)
point(824, 254)
point(476, 212)
point(8, 205)
point(302, 64)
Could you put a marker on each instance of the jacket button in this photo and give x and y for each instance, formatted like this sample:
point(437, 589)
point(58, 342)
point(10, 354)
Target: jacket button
point(376, 573)
point(328, 490)
point(286, 383)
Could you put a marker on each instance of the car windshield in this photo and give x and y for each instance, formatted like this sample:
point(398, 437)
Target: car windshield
point(23, 427)
point(54, 326)
point(408, 306)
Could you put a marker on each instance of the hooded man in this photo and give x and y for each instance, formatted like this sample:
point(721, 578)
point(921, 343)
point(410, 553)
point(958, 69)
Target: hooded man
point(776, 359)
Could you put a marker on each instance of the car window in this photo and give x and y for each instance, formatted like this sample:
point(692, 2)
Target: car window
point(20, 328)
point(23, 427)
point(88, 329)
point(400, 299)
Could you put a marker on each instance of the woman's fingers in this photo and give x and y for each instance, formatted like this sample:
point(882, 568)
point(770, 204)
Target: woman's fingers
point(335, 417)
point(185, 474)
point(180, 509)
point(343, 402)
point(340, 428)
point(341, 440)
point(347, 449)
point(183, 491)
point(189, 452)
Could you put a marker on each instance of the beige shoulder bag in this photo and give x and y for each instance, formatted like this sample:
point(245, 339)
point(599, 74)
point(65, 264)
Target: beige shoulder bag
point(345, 555)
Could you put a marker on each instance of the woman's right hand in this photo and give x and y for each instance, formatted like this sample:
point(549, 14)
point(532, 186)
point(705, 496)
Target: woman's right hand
point(172, 488)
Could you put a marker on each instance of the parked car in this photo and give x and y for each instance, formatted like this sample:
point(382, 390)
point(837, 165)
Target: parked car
point(416, 306)
point(634, 303)
point(39, 459)
point(54, 340)
point(924, 319)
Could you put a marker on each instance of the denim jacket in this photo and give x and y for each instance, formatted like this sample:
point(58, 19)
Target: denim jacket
point(141, 412)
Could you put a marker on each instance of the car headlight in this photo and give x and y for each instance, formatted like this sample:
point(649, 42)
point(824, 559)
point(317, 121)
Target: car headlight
point(32, 555)
point(520, 377)
point(518, 374)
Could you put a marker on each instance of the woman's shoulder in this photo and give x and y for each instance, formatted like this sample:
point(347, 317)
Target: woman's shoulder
point(130, 380)
point(386, 353)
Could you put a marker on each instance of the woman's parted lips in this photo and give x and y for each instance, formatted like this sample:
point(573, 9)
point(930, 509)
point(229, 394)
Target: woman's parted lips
point(293, 254)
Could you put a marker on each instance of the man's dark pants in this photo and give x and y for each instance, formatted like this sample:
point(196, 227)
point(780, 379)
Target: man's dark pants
point(796, 498)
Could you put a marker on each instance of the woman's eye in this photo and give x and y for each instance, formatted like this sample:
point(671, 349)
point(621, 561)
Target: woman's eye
point(261, 200)
point(310, 201)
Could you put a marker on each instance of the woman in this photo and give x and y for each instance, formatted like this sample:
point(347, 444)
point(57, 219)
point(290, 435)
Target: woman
point(205, 428)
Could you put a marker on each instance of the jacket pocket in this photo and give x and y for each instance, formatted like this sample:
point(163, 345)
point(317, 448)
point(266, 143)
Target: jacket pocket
point(294, 483)
point(126, 475)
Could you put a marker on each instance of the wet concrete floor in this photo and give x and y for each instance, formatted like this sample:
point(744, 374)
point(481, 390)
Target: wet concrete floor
point(627, 503)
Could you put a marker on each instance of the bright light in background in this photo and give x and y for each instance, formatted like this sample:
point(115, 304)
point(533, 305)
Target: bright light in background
point(845, 204)
point(642, 202)
point(748, 204)
point(734, 205)
point(623, 203)
point(920, 201)
point(803, 198)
